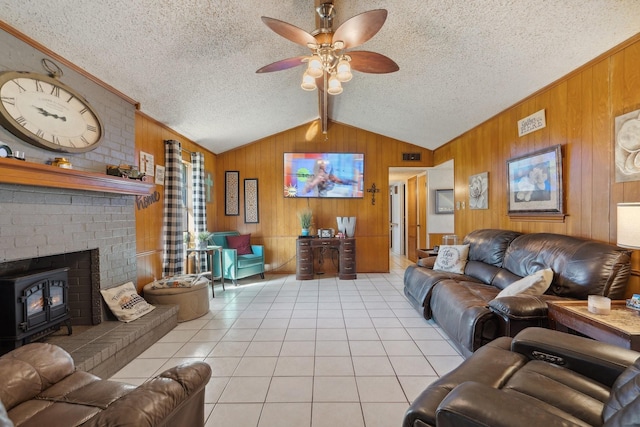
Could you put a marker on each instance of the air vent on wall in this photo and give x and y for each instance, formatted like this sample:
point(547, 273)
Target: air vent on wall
point(415, 157)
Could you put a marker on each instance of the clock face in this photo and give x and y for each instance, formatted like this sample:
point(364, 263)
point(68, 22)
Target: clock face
point(47, 113)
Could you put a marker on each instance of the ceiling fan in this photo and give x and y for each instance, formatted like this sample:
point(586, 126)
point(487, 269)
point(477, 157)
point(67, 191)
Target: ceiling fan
point(330, 64)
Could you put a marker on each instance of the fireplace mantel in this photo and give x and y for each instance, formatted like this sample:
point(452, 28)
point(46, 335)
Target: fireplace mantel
point(14, 171)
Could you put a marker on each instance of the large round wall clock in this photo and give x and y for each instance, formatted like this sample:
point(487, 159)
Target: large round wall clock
point(47, 113)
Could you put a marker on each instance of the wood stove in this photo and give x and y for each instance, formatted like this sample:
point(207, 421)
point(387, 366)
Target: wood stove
point(35, 304)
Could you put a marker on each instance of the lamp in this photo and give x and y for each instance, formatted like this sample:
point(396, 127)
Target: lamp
point(308, 82)
point(315, 67)
point(335, 87)
point(629, 225)
point(327, 60)
point(343, 71)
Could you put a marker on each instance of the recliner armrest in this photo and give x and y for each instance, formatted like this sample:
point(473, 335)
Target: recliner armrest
point(597, 360)
point(157, 399)
point(476, 404)
point(519, 307)
point(258, 249)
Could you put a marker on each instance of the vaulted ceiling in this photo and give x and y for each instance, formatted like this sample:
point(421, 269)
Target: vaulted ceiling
point(191, 63)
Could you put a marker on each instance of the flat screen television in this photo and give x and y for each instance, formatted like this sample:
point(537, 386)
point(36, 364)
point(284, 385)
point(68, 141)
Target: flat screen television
point(336, 175)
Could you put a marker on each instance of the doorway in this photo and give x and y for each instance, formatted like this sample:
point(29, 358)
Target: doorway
point(412, 220)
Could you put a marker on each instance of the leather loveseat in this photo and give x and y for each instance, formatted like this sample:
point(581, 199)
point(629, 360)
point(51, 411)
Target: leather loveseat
point(539, 378)
point(465, 305)
point(39, 386)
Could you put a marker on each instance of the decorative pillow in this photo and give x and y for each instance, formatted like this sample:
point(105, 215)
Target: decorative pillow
point(125, 303)
point(180, 281)
point(241, 243)
point(452, 258)
point(534, 284)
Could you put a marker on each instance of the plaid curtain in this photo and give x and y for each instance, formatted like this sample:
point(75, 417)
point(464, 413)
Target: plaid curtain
point(173, 255)
point(199, 201)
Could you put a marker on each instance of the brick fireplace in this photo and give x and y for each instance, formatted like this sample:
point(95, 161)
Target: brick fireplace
point(92, 233)
point(83, 278)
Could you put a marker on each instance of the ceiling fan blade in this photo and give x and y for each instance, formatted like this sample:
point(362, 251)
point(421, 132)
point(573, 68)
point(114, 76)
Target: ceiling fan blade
point(283, 64)
point(360, 28)
point(289, 32)
point(372, 62)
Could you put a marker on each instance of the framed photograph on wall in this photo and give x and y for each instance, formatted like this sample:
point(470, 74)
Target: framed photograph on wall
point(534, 183)
point(232, 193)
point(444, 201)
point(251, 211)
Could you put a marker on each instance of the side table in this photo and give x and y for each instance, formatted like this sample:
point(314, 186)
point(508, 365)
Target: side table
point(210, 250)
point(621, 327)
point(425, 253)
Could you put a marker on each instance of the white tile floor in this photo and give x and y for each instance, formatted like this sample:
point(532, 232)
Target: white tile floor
point(314, 353)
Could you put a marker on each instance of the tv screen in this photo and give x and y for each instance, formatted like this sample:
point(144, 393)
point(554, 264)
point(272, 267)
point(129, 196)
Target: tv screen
point(338, 175)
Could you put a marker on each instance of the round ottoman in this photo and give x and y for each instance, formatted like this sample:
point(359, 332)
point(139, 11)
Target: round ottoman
point(193, 300)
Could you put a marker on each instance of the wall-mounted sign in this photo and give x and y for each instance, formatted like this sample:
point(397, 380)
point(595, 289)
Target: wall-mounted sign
point(147, 164)
point(531, 123)
point(159, 175)
point(143, 202)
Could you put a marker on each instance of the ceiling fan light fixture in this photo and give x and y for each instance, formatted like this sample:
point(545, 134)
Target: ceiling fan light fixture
point(315, 68)
point(343, 71)
point(308, 82)
point(335, 87)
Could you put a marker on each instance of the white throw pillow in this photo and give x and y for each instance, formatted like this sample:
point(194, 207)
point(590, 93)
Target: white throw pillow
point(534, 284)
point(452, 258)
point(125, 303)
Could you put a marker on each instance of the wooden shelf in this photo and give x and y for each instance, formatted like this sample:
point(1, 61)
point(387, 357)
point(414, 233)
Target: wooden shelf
point(14, 171)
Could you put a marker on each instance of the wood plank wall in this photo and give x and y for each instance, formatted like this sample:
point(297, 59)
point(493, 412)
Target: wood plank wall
point(279, 226)
point(149, 137)
point(580, 113)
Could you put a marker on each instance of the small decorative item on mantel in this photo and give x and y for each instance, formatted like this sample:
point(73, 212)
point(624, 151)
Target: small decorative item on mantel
point(61, 162)
point(305, 216)
point(127, 171)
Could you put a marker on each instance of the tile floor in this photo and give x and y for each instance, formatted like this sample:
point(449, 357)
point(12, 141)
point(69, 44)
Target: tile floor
point(313, 353)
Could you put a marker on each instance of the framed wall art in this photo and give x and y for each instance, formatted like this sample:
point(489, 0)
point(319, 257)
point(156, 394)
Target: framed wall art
point(444, 201)
point(251, 211)
point(232, 193)
point(479, 191)
point(534, 183)
point(627, 147)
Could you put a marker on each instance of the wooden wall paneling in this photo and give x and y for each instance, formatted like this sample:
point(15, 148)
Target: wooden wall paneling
point(572, 154)
point(602, 149)
point(422, 210)
point(586, 161)
point(580, 112)
point(372, 220)
point(555, 105)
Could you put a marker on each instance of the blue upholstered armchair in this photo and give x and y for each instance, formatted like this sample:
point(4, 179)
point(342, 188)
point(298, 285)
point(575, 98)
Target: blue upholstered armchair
point(236, 265)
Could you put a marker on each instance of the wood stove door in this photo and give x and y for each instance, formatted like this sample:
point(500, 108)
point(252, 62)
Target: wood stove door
point(34, 306)
point(57, 299)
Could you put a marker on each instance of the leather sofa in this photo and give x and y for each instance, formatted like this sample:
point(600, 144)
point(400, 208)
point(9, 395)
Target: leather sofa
point(465, 305)
point(39, 386)
point(539, 378)
point(235, 266)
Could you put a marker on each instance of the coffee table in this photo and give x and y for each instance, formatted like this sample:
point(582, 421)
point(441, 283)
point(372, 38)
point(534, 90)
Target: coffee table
point(620, 327)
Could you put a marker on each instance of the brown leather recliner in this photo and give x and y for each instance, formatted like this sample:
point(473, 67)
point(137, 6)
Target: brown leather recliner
point(39, 386)
point(539, 378)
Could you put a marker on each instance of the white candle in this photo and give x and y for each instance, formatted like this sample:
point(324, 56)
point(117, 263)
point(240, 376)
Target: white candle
point(599, 305)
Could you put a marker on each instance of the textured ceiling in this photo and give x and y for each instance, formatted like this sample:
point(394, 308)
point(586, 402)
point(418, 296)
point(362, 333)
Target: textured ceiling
point(191, 63)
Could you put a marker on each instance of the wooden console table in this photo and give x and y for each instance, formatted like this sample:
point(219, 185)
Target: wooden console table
point(621, 327)
point(346, 248)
